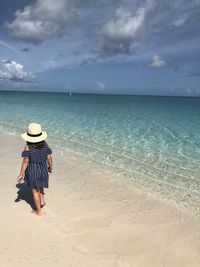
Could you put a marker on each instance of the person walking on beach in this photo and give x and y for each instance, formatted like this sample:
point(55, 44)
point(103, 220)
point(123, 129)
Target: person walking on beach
point(37, 162)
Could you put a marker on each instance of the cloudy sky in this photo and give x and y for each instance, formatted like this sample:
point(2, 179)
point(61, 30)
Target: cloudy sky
point(101, 46)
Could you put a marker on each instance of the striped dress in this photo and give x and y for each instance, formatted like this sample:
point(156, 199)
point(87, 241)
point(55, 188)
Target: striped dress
point(36, 174)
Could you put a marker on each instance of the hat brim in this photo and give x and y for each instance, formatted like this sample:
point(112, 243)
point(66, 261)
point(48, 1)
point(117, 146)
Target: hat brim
point(32, 139)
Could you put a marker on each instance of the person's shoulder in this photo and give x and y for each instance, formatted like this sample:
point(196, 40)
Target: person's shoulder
point(46, 144)
point(26, 148)
point(48, 149)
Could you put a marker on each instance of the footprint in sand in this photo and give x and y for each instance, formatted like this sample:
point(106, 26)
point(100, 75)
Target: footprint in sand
point(47, 211)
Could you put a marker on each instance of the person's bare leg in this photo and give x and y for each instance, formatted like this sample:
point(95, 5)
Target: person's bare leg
point(42, 202)
point(36, 197)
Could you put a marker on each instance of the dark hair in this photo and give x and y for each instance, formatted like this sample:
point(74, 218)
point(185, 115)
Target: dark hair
point(37, 145)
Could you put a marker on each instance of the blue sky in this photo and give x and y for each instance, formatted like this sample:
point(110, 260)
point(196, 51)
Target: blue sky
point(103, 46)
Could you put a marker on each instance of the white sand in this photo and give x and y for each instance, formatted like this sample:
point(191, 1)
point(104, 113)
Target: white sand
point(93, 218)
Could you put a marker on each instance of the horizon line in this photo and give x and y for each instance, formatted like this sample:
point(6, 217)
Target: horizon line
point(96, 93)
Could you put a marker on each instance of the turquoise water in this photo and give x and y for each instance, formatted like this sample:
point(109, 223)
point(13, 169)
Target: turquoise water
point(155, 137)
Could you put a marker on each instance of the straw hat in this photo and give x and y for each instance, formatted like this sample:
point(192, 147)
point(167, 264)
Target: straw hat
point(34, 133)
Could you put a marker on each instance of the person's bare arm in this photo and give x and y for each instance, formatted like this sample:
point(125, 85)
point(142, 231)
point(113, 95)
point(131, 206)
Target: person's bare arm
point(23, 168)
point(49, 160)
point(24, 165)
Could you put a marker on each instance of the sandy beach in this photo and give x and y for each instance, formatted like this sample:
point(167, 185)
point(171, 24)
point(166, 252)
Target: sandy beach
point(92, 218)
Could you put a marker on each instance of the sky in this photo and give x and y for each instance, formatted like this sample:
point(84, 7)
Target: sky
point(149, 47)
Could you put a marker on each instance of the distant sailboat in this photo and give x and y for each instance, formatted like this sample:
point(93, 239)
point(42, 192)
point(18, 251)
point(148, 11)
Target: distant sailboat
point(69, 91)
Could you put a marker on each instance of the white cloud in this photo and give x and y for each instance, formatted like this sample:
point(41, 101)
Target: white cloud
point(50, 65)
point(119, 33)
point(127, 24)
point(157, 62)
point(172, 88)
point(179, 22)
point(189, 90)
point(193, 91)
point(13, 71)
point(39, 21)
point(100, 85)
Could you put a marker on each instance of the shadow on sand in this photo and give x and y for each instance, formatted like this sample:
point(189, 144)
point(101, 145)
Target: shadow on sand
point(25, 193)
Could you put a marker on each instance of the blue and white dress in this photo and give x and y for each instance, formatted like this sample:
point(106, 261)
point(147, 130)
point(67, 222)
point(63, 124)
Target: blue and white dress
point(36, 174)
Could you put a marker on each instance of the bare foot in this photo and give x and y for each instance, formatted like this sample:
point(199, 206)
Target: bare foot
point(42, 205)
point(35, 212)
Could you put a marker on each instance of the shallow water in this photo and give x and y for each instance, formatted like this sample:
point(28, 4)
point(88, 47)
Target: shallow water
point(155, 137)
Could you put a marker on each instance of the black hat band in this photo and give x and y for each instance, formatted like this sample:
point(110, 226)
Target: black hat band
point(34, 135)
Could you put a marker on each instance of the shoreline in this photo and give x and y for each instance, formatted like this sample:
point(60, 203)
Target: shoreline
point(190, 201)
point(93, 218)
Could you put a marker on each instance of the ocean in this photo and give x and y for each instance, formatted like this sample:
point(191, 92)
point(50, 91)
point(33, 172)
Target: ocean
point(157, 138)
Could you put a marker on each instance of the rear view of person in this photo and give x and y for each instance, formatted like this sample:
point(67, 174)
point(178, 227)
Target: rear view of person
point(37, 162)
